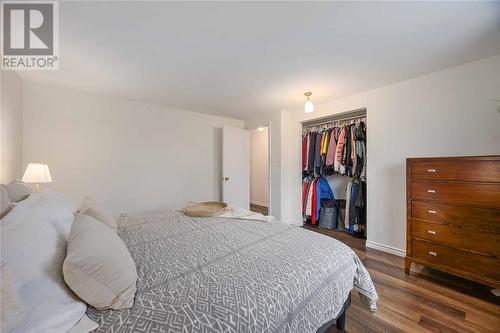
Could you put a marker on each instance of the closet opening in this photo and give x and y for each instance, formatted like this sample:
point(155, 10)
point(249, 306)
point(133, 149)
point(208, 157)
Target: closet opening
point(259, 170)
point(334, 173)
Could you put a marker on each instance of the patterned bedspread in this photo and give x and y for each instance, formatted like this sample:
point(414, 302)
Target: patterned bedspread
point(233, 275)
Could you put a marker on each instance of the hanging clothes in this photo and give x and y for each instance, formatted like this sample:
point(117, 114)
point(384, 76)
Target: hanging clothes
point(313, 190)
point(353, 151)
point(360, 133)
point(362, 175)
point(332, 145)
point(309, 201)
point(305, 192)
point(320, 190)
point(351, 207)
point(335, 166)
point(330, 150)
point(323, 191)
point(313, 204)
point(340, 149)
point(347, 152)
point(347, 204)
point(304, 151)
point(324, 148)
point(360, 158)
point(356, 209)
point(310, 158)
point(317, 153)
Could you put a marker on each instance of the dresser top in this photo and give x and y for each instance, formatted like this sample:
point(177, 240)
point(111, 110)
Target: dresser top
point(456, 158)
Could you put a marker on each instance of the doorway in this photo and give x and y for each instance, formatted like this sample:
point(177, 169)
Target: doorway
point(259, 170)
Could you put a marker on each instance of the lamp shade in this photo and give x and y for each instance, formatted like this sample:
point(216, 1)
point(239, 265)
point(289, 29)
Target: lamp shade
point(37, 173)
point(308, 107)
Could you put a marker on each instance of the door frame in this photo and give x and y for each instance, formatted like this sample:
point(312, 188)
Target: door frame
point(269, 161)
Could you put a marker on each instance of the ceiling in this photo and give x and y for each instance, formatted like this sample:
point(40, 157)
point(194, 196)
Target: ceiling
point(240, 58)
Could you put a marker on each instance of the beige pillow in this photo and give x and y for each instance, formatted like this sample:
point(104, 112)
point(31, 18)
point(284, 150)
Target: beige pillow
point(91, 208)
point(86, 202)
point(101, 215)
point(18, 191)
point(98, 266)
point(5, 203)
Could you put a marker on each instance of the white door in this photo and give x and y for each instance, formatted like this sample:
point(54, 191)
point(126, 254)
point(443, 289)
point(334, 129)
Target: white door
point(236, 166)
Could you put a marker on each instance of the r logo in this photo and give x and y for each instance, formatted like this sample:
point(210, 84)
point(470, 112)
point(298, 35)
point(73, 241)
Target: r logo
point(28, 29)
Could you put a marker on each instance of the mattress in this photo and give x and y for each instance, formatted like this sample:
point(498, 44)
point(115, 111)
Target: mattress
point(233, 275)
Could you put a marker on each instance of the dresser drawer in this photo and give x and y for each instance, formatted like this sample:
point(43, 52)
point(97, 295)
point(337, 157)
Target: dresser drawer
point(484, 219)
point(465, 193)
point(477, 171)
point(456, 237)
point(476, 264)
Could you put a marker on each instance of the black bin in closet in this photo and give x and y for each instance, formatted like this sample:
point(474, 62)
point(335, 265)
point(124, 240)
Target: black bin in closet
point(328, 215)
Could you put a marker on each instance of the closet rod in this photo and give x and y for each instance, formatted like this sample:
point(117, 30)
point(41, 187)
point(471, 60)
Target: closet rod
point(326, 122)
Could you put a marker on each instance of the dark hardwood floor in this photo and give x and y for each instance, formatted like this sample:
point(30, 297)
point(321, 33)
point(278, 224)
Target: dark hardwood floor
point(259, 209)
point(424, 301)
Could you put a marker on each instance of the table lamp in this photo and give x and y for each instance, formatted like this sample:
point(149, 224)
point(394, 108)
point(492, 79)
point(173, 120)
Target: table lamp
point(37, 173)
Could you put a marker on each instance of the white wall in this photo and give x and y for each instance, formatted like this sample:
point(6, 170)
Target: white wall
point(259, 167)
point(11, 127)
point(445, 113)
point(131, 156)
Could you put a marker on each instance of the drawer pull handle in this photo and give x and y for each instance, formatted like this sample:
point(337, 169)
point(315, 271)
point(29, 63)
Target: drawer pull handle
point(433, 253)
point(430, 211)
point(432, 232)
point(431, 191)
point(431, 170)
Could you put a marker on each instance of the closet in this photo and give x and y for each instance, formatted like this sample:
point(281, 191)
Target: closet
point(334, 172)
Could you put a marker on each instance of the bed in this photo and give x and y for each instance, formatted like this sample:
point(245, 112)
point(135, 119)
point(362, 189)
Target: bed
point(234, 275)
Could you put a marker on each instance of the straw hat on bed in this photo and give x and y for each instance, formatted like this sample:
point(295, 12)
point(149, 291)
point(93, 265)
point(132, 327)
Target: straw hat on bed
point(205, 209)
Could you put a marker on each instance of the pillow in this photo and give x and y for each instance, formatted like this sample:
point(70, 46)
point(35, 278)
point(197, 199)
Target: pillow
point(101, 215)
point(91, 208)
point(35, 297)
point(5, 203)
point(18, 191)
point(98, 266)
point(86, 202)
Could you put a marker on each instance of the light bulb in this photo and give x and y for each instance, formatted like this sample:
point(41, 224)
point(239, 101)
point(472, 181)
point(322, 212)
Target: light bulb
point(308, 107)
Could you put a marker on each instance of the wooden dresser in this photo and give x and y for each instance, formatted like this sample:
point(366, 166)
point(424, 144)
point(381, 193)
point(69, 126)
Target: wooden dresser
point(453, 216)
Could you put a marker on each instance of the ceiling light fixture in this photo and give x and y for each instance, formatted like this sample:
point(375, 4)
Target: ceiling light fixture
point(308, 107)
point(260, 129)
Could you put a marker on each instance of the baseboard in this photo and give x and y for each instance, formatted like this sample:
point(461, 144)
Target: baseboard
point(258, 203)
point(385, 248)
point(296, 223)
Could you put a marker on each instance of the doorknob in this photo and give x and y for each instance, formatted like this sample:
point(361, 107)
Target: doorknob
point(226, 179)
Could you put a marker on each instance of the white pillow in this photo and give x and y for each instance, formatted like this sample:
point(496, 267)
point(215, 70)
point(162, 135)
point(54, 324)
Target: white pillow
point(98, 266)
point(35, 297)
point(5, 203)
point(18, 191)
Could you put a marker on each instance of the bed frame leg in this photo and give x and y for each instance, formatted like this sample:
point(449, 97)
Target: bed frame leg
point(341, 322)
